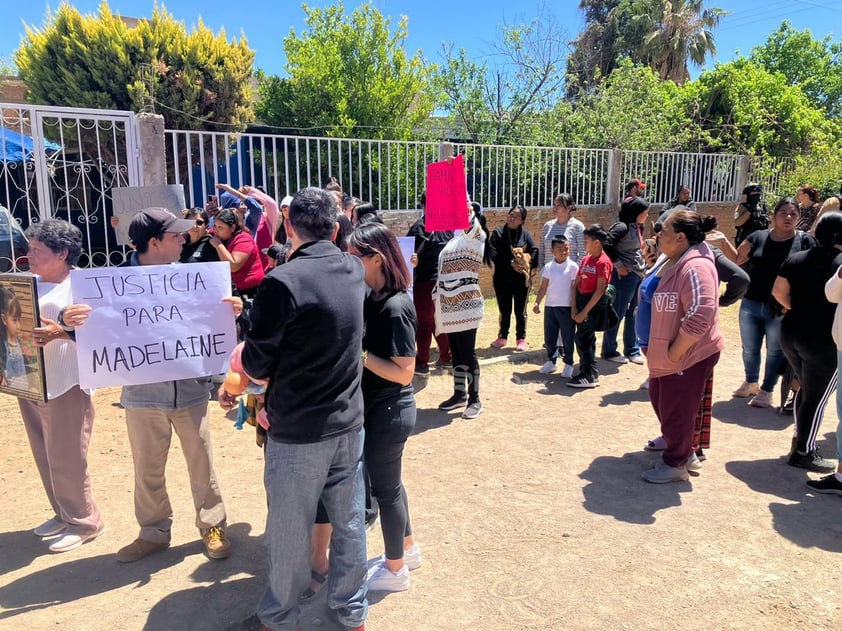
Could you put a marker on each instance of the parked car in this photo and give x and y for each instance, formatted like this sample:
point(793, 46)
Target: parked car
point(13, 244)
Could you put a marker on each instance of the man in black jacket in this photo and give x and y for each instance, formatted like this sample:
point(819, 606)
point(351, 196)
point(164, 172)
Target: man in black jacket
point(306, 340)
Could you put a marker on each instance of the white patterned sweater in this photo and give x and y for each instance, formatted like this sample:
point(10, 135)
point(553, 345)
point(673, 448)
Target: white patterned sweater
point(458, 299)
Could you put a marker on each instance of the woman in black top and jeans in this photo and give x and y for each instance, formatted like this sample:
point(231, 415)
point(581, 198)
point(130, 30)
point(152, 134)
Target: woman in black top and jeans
point(510, 282)
point(388, 361)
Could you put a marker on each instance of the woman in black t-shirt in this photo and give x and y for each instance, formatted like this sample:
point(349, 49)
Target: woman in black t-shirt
point(198, 247)
point(765, 251)
point(388, 361)
point(806, 337)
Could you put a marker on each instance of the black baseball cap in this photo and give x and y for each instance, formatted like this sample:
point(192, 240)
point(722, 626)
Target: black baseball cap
point(152, 222)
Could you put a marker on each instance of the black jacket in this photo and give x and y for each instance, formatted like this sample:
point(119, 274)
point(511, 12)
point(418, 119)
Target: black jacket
point(306, 338)
point(500, 248)
point(428, 246)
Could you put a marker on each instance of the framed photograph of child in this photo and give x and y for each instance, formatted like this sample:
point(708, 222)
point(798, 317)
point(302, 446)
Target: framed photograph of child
point(21, 360)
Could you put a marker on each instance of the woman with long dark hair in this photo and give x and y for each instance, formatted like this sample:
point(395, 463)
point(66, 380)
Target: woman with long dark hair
point(806, 337)
point(765, 251)
point(199, 246)
point(389, 400)
point(240, 250)
point(511, 278)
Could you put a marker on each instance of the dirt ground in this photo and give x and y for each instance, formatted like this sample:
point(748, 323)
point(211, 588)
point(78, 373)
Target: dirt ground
point(532, 516)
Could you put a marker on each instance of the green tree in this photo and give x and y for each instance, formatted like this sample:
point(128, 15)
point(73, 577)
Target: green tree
point(631, 109)
point(7, 67)
point(495, 101)
point(741, 107)
point(349, 76)
point(200, 78)
point(608, 37)
point(677, 32)
point(813, 65)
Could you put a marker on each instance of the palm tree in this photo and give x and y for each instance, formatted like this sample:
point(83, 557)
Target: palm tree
point(676, 32)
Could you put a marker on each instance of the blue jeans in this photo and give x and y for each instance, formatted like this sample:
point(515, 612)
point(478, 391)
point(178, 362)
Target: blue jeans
point(559, 327)
point(757, 321)
point(296, 476)
point(625, 304)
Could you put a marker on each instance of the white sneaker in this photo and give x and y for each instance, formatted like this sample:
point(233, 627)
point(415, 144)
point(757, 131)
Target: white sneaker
point(567, 372)
point(473, 410)
point(693, 462)
point(50, 528)
point(70, 541)
point(637, 359)
point(411, 558)
point(382, 579)
point(547, 368)
point(762, 399)
point(617, 359)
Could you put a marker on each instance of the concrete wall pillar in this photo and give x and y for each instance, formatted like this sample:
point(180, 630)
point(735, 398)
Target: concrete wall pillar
point(151, 149)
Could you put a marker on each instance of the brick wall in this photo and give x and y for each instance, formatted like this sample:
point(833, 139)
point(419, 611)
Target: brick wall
point(400, 222)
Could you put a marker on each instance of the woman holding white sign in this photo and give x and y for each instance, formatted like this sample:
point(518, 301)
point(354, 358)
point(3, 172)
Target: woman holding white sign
point(60, 429)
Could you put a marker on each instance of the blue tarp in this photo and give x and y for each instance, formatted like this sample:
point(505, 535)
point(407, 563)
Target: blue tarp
point(15, 147)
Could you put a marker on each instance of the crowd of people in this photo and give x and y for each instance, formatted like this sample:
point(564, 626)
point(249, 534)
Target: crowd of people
point(332, 338)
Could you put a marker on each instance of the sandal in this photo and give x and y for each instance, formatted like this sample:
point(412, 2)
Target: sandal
point(656, 444)
point(316, 584)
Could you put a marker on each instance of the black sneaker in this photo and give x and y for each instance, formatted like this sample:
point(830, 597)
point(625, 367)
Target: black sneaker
point(456, 401)
point(700, 454)
point(828, 484)
point(582, 382)
point(422, 370)
point(812, 461)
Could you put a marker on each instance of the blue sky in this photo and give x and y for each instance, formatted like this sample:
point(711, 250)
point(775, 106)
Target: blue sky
point(472, 24)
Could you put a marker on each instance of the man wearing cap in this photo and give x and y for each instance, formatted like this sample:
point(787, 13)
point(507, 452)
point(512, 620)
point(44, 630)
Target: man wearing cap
point(152, 412)
point(635, 188)
point(305, 338)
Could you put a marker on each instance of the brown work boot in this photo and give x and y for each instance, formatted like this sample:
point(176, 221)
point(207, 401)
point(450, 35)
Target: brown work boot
point(140, 548)
point(216, 543)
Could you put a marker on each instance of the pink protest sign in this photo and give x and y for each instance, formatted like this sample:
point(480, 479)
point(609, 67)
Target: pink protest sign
point(446, 196)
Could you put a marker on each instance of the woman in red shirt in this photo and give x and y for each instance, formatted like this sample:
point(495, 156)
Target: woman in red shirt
point(240, 251)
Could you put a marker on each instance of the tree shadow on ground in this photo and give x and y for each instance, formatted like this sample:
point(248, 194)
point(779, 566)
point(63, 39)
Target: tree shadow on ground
point(616, 489)
point(91, 576)
point(738, 412)
point(808, 519)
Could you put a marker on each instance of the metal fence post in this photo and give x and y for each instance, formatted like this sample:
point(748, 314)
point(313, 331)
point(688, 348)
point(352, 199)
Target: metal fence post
point(152, 159)
point(742, 176)
point(613, 183)
point(445, 151)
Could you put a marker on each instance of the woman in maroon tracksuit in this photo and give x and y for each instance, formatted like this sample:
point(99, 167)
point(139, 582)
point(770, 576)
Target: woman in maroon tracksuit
point(684, 337)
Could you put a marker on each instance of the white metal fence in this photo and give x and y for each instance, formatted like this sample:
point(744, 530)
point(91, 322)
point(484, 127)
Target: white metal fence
point(391, 173)
point(63, 163)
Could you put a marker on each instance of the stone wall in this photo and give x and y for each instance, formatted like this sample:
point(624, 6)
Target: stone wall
point(400, 222)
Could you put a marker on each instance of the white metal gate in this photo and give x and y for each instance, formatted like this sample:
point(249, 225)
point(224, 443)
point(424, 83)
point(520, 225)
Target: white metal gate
point(63, 162)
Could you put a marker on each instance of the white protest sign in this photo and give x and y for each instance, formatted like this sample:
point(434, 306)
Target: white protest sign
point(407, 246)
point(128, 201)
point(153, 323)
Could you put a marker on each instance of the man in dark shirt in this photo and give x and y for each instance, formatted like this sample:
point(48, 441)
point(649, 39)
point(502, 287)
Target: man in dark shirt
point(306, 340)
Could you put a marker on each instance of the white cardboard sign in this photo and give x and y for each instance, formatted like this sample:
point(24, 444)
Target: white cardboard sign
point(153, 323)
point(130, 200)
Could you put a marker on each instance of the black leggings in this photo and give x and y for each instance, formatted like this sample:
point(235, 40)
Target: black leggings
point(508, 290)
point(463, 346)
point(387, 426)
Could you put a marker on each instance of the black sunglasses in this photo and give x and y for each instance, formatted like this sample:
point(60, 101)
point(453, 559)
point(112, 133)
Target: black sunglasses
point(200, 222)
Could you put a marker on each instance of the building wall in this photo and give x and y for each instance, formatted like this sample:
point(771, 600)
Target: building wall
point(400, 221)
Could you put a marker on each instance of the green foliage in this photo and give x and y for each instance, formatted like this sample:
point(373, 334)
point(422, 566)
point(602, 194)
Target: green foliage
point(200, 78)
point(813, 65)
point(740, 107)
point(631, 109)
point(349, 76)
point(677, 32)
point(821, 168)
point(7, 67)
point(663, 34)
point(495, 101)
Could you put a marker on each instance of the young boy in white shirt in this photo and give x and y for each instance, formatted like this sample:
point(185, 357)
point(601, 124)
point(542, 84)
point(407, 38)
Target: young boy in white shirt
point(557, 277)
